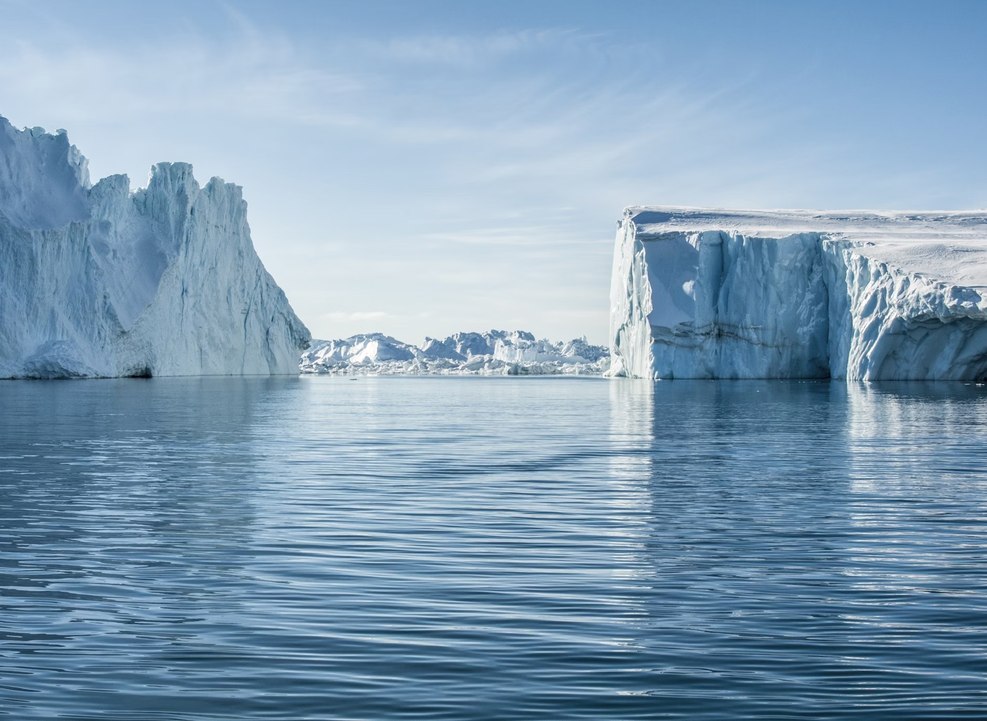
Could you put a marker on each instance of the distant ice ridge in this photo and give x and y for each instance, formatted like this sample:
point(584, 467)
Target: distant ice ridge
point(96, 281)
point(799, 294)
point(495, 352)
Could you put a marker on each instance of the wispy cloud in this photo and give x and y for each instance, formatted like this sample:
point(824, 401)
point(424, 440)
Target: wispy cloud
point(467, 50)
point(355, 316)
point(245, 75)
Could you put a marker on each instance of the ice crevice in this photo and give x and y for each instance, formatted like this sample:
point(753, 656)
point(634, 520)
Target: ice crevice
point(799, 294)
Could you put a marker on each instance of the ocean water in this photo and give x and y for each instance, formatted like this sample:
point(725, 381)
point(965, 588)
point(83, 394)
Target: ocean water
point(500, 548)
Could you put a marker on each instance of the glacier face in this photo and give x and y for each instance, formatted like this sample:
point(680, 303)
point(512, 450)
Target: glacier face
point(96, 281)
point(798, 294)
point(494, 352)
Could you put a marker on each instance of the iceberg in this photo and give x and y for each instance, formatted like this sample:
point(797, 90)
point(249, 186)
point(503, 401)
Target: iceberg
point(869, 296)
point(96, 281)
point(494, 352)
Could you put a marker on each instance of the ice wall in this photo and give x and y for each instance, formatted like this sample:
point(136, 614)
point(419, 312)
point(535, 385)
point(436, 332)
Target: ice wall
point(796, 294)
point(99, 281)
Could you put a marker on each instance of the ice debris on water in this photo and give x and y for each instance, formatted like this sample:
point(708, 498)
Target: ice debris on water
point(494, 352)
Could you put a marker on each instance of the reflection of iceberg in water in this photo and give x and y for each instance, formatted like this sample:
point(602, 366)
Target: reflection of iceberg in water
point(890, 425)
point(733, 476)
point(136, 452)
point(821, 536)
point(917, 496)
point(134, 496)
point(631, 410)
point(631, 414)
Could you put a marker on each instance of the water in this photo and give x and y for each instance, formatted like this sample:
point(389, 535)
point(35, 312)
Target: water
point(322, 548)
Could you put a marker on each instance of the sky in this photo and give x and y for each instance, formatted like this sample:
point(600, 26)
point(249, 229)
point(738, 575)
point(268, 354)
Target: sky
point(423, 167)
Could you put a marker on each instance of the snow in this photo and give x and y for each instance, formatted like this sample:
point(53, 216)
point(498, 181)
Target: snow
point(495, 352)
point(96, 281)
point(860, 295)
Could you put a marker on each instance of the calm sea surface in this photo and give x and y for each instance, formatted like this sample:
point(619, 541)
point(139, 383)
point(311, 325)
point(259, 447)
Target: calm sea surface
point(503, 548)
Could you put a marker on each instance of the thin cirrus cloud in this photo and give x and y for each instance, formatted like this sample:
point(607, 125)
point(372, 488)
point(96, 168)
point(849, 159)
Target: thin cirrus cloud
point(256, 79)
point(460, 50)
point(357, 315)
point(506, 124)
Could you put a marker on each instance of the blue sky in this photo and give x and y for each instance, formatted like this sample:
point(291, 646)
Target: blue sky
point(425, 167)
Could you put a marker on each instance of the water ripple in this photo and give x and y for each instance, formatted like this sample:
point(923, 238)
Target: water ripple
point(492, 549)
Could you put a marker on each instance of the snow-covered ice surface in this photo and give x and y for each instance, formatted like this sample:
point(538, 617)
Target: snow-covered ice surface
point(96, 281)
point(495, 352)
point(799, 294)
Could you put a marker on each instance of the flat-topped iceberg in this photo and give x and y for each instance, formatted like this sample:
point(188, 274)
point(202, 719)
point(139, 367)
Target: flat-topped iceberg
point(494, 352)
point(799, 294)
point(96, 281)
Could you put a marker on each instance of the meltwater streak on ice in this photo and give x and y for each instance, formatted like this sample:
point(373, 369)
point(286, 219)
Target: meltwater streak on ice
point(448, 548)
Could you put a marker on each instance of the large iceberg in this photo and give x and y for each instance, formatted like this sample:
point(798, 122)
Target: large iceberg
point(799, 294)
point(494, 352)
point(96, 281)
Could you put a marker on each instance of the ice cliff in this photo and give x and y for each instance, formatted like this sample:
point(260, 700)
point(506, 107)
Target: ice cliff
point(799, 294)
point(96, 281)
point(494, 352)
